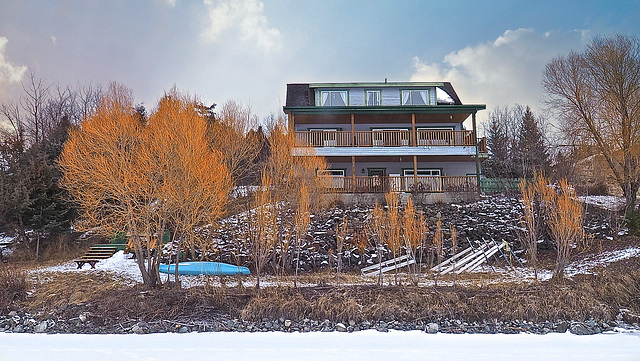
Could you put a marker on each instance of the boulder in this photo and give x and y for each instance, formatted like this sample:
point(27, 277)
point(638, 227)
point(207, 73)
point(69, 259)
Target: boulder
point(41, 327)
point(579, 328)
point(432, 327)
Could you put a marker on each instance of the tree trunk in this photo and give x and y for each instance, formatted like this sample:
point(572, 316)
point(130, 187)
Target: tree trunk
point(630, 195)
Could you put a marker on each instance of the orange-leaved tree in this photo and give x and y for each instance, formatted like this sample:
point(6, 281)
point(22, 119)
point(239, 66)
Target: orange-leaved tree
point(142, 178)
point(192, 179)
point(107, 178)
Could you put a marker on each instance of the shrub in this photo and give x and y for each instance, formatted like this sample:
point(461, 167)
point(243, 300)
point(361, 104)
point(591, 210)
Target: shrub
point(632, 221)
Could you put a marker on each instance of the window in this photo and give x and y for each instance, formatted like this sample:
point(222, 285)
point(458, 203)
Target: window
point(435, 136)
point(333, 172)
point(422, 172)
point(428, 180)
point(373, 97)
point(415, 97)
point(333, 98)
point(323, 137)
point(390, 137)
point(334, 177)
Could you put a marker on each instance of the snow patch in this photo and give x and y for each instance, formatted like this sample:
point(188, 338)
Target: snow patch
point(611, 203)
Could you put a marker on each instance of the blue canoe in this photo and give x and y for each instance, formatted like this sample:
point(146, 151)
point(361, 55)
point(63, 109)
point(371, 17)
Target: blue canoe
point(205, 268)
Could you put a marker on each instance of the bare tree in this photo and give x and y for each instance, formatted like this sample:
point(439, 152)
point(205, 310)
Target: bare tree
point(230, 135)
point(376, 227)
point(529, 221)
point(597, 95)
point(564, 213)
point(412, 236)
point(393, 227)
point(301, 224)
point(341, 235)
point(262, 226)
point(33, 102)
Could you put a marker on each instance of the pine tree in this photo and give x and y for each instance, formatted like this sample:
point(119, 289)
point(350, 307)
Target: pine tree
point(499, 165)
point(531, 152)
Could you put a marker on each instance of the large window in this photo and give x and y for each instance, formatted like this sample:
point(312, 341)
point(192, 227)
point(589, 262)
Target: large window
point(422, 172)
point(373, 97)
point(415, 97)
point(333, 98)
point(323, 137)
point(428, 180)
point(435, 136)
point(334, 177)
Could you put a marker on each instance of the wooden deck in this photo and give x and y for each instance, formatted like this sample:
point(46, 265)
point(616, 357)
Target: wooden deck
point(383, 184)
point(389, 138)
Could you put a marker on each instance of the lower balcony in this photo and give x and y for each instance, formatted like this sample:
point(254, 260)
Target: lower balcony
point(384, 184)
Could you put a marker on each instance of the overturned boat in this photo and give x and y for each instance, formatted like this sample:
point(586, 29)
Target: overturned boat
point(205, 268)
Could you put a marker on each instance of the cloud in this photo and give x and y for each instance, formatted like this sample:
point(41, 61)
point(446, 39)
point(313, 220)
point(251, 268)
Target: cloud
point(505, 71)
point(171, 3)
point(9, 73)
point(53, 39)
point(243, 19)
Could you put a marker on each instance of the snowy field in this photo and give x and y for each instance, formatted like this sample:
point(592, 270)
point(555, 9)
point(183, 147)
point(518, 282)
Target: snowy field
point(364, 345)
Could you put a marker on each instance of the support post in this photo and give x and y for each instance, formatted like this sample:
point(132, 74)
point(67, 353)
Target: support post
point(415, 172)
point(291, 122)
point(353, 134)
point(475, 142)
point(414, 137)
point(353, 174)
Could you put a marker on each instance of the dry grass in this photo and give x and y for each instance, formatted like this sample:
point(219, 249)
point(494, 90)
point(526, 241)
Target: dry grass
point(13, 286)
point(477, 297)
point(57, 289)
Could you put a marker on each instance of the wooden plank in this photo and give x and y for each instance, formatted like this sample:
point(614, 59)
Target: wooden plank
point(385, 263)
point(473, 265)
point(458, 264)
point(455, 256)
point(390, 268)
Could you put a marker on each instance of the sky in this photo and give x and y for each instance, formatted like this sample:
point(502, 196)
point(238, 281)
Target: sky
point(493, 52)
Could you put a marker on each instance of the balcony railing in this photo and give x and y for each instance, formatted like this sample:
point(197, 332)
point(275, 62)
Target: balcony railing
point(383, 184)
point(388, 138)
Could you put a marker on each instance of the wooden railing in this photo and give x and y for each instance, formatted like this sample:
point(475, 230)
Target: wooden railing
point(383, 184)
point(388, 138)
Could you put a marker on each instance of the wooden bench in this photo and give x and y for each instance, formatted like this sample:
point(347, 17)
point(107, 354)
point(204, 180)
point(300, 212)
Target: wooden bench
point(81, 262)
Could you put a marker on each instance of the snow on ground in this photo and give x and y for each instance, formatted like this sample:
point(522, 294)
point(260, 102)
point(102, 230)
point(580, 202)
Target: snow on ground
point(588, 263)
point(364, 345)
point(120, 264)
point(612, 203)
point(125, 267)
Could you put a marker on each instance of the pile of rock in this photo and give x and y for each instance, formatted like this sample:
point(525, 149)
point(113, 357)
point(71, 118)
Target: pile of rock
point(19, 322)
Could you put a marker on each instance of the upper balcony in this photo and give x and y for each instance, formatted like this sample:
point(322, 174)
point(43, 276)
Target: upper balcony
point(423, 142)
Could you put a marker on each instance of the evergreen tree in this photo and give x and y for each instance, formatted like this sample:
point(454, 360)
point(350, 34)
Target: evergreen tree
point(499, 165)
point(531, 151)
point(30, 199)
